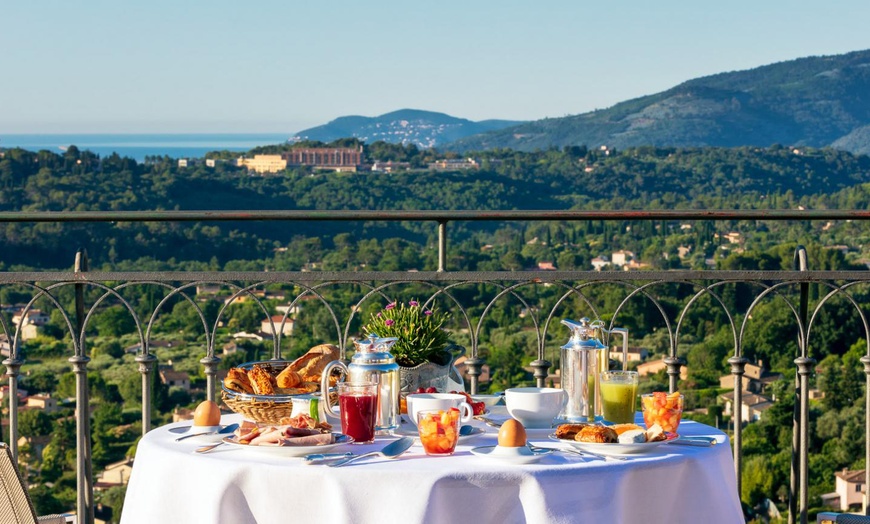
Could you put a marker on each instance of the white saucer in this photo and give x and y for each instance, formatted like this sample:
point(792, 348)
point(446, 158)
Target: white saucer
point(520, 455)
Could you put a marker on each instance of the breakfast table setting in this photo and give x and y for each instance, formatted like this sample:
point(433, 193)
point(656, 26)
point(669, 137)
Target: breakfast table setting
point(671, 482)
point(299, 443)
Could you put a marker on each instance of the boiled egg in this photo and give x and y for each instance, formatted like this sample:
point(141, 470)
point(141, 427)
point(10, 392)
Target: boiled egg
point(207, 414)
point(512, 434)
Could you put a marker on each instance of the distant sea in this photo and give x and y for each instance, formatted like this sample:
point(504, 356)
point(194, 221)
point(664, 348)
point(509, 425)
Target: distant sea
point(138, 146)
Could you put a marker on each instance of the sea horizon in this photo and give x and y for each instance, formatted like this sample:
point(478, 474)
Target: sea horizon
point(140, 145)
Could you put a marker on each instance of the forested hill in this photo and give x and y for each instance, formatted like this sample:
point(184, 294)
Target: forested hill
point(574, 178)
point(815, 101)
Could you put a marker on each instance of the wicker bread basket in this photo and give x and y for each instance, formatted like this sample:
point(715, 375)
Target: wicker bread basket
point(268, 409)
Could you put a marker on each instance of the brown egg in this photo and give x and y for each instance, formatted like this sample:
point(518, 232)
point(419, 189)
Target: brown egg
point(512, 434)
point(207, 414)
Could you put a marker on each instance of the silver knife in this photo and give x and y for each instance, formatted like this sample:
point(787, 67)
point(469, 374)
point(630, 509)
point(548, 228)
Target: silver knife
point(695, 441)
point(317, 457)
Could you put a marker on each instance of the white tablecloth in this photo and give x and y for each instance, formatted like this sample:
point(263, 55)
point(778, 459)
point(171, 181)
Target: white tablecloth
point(230, 485)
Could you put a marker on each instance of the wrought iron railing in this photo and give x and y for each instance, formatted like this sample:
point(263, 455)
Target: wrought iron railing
point(568, 294)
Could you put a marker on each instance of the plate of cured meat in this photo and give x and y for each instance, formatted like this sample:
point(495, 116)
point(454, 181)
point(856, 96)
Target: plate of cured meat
point(294, 436)
point(286, 440)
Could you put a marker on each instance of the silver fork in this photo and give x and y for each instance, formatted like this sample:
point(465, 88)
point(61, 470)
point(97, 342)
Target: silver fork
point(569, 451)
point(579, 452)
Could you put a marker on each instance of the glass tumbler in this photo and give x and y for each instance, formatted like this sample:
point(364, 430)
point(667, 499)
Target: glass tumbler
point(358, 407)
point(439, 430)
point(618, 395)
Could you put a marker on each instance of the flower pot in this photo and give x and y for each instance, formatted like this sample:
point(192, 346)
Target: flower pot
point(427, 374)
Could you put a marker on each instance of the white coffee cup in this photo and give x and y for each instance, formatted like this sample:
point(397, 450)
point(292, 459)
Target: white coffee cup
point(427, 401)
point(535, 407)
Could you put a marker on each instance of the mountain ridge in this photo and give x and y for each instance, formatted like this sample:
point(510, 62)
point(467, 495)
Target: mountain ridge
point(815, 101)
point(425, 129)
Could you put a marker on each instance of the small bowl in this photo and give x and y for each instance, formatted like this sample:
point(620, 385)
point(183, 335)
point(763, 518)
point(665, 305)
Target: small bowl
point(488, 400)
point(662, 409)
point(535, 408)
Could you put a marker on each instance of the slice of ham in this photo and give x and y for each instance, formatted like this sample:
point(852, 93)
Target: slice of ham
point(245, 438)
point(310, 440)
point(290, 431)
point(268, 435)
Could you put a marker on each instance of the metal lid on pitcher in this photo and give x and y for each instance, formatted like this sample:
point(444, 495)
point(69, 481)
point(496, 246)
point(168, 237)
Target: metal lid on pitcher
point(373, 350)
point(584, 334)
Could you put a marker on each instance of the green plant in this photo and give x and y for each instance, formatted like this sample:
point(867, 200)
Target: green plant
point(420, 333)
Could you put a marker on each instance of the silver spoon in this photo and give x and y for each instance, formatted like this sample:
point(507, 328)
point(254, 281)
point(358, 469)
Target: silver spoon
point(466, 430)
point(391, 450)
point(206, 449)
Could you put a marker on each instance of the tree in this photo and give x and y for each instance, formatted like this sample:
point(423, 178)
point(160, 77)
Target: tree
point(114, 321)
point(34, 423)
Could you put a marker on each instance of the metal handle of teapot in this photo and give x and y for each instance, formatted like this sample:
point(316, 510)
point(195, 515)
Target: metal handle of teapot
point(624, 333)
point(324, 388)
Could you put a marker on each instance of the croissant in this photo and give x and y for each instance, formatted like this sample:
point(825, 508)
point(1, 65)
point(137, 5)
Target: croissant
point(237, 380)
point(261, 381)
point(568, 431)
point(597, 434)
point(288, 378)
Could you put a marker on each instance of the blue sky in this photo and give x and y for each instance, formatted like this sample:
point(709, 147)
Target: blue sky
point(270, 66)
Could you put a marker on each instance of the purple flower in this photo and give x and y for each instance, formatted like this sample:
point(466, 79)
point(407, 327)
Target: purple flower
point(379, 314)
point(390, 306)
point(389, 322)
point(413, 303)
point(427, 312)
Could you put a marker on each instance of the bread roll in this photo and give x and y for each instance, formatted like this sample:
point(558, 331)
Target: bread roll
point(655, 433)
point(310, 366)
point(597, 434)
point(632, 436)
point(237, 380)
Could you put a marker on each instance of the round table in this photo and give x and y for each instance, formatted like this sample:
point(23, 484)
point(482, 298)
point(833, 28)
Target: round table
point(232, 485)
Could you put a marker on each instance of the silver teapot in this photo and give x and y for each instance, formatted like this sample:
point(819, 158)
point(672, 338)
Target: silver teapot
point(583, 359)
point(372, 362)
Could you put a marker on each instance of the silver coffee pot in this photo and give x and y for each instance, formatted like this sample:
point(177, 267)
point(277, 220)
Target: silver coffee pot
point(583, 359)
point(372, 362)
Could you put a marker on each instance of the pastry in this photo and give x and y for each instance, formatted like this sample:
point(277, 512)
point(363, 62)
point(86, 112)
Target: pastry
point(237, 380)
point(261, 381)
point(597, 434)
point(288, 378)
point(568, 431)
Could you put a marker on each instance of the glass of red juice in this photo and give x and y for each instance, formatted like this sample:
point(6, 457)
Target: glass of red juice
point(358, 405)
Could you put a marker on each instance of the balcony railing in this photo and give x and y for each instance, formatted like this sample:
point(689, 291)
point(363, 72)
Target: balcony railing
point(472, 297)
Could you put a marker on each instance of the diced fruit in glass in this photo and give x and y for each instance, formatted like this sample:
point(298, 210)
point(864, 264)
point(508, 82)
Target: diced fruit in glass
point(663, 409)
point(438, 431)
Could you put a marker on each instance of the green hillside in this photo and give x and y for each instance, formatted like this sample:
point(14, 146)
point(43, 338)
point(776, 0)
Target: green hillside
point(814, 101)
point(574, 178)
